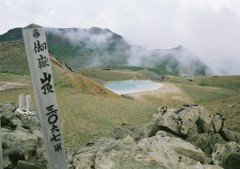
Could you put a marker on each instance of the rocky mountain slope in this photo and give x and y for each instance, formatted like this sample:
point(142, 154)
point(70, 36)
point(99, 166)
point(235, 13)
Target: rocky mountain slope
point(175, 138)
point(97, 47)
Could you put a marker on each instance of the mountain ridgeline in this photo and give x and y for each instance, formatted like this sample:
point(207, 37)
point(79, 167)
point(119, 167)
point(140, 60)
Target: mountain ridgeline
point(97, 47)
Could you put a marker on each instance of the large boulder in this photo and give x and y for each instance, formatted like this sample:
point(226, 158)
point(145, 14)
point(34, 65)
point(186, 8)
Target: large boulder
point(180, 122)
point(171, 152)
point(149, 153)
point(125, 130)
point(189, 117)
point(204, 123)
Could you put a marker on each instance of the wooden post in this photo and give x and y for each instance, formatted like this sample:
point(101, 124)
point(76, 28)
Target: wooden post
point(1, 153)
point(28, 102)
point(41, 73)
point(20, 102)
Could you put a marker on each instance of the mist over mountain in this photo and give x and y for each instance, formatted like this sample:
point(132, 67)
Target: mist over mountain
point(97, 47)
point(94, 47)
point(177, 61)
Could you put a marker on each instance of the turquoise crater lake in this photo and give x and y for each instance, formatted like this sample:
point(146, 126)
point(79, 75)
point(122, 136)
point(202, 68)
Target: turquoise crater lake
point(132, 86)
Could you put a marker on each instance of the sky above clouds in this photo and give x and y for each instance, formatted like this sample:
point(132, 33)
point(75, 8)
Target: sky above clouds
point(208, 28)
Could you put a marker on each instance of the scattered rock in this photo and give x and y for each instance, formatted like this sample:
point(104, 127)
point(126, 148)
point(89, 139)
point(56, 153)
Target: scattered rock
point(229, 135)
point(187, 137)
point(204, 123)
point(181, 122)
point(126, 129)
point(200, 166)
point(155, 152)
point(227, 155)
point(217, 122)
point(189, 117)
point(194, 124)
point(26, 165)
point(165, 134)
point(172, 152)
point(205, 141)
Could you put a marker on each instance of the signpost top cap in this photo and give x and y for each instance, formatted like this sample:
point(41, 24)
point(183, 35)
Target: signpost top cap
point(32, 26)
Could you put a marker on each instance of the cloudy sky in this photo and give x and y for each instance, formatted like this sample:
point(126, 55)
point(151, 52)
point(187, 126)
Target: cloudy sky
point(208, 28)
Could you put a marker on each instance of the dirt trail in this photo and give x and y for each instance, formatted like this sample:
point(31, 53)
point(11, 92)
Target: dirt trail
point(10, 85)
point(167, 95)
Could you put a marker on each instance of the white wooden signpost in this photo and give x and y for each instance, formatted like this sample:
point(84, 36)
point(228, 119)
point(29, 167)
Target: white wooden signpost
point(28, 102)
point(41, 73)
point(20, 98)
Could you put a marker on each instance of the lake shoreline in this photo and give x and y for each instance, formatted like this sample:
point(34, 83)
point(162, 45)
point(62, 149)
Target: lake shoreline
point(133, 86)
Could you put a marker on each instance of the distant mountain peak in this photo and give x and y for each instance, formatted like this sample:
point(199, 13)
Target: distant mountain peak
point(32, 25)
point(98, 30)
point(179, 48)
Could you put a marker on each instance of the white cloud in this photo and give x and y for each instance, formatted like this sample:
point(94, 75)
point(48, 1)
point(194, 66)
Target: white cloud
point(210, 28)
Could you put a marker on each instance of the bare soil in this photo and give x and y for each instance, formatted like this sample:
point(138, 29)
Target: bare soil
point(167, 95)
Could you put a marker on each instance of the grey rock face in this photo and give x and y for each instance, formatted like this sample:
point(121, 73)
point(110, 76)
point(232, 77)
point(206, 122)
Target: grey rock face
point(127, 129)
point(200, 166)
point(172, 152)
point(217, 122)
point(26, 165)
point(21, 139)
point(154, 152)
point(227, 155)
